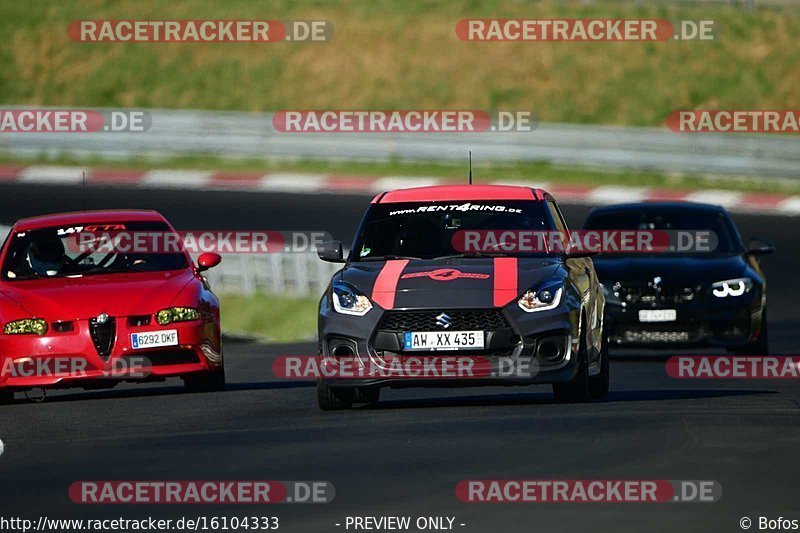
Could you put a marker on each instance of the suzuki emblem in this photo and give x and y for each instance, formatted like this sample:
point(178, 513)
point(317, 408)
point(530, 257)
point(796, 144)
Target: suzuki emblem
point(444, 320)
point(102, 318)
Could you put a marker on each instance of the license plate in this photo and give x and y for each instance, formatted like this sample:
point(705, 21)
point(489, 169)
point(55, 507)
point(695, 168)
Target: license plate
point(658, 315)
point(443, 340)
point(154, 339)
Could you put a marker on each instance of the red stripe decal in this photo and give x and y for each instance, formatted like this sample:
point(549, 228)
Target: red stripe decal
point(505, 280)
point(386, 282)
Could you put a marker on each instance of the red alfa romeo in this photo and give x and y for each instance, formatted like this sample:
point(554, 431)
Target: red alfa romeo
point(91, 318)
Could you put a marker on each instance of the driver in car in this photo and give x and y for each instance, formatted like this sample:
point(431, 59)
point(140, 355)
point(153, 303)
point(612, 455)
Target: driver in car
point(46, 256)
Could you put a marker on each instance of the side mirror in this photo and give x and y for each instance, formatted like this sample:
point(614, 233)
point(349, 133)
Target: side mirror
point(208, 260)
point(331, 251)
point(759, 246)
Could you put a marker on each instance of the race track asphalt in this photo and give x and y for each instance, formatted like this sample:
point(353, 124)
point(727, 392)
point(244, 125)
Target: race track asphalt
point(405, 455)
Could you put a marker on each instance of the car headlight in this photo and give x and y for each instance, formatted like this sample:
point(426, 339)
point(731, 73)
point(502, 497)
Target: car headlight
point(349, 301)
point(732, 287)
point(545, 296)
point(177, 314)
point(611, 292)
point(26, 326)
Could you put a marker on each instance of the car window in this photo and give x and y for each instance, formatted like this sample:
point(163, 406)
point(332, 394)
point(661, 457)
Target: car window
point(55, 252)
point(426, 229)
point(560, 223)
point(673, 219)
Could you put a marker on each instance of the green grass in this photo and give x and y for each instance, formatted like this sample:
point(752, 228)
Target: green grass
point(272, 317)
point(531, 173)
point(389, 54)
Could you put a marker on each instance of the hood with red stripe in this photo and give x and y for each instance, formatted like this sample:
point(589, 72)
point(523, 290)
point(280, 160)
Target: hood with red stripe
point(452, 283)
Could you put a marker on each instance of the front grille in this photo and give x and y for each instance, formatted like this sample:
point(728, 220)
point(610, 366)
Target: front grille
point(103, 336)
point(656, 295)
point(656, 336)
point(461, 320)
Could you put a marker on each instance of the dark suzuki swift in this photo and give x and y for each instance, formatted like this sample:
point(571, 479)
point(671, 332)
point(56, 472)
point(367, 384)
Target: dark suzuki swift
point(407, 291)
point(713, 297)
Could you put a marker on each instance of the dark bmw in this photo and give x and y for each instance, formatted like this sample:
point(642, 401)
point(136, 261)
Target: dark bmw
point(406, 290)
point(701, 297)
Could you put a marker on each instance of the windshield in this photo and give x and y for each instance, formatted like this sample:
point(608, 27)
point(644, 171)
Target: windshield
point(55, 252)
point(428, 230)
point(674, 219)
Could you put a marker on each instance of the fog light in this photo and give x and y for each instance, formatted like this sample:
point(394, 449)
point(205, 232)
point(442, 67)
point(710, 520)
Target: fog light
point(341, 351)
point(549, 350)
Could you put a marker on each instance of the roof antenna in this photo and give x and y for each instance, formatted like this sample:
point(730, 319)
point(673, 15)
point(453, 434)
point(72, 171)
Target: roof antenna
point(83, 175)
point(470, 167)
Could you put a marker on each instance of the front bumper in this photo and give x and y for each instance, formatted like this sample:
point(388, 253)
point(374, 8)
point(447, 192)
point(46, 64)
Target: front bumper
point(699, 323)
point(73, 359)
point(516, 345)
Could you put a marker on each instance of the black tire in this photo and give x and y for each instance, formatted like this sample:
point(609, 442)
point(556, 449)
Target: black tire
point(760, 346)
point(211, 382)
point(6, 397)
point(334, 398)
point(576, 390)
point(599, 384)
point(367, 395)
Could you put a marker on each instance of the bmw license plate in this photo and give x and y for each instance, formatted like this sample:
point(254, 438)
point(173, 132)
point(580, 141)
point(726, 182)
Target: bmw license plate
point(658, 315)
point(443, 340)
point(154, 339)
